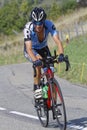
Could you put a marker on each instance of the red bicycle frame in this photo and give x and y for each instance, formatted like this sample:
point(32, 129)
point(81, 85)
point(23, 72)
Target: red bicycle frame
point(49, 75)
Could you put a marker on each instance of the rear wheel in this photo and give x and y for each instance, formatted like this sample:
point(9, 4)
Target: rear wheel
point(43, 113)
point(58, 105)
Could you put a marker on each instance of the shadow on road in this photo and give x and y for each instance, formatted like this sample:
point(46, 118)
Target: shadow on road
point(79, 122)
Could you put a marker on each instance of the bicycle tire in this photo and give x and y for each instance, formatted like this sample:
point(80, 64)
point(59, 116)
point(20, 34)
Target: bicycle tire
point(59, 105)
point(43, 114)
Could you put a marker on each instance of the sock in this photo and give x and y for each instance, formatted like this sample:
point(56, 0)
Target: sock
point(36, 87)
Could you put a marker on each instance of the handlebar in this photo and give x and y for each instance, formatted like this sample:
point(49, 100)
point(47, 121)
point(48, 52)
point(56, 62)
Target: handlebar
point(53, 59)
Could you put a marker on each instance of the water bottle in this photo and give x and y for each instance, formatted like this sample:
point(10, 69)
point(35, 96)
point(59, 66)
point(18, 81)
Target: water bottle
point(45, 91)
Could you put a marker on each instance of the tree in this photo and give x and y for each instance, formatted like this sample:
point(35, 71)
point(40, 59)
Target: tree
point(9, 18)
point(54, 11)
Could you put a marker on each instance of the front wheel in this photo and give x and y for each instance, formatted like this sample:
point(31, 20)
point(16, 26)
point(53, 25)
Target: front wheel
point(58, 105)
point(43, 113)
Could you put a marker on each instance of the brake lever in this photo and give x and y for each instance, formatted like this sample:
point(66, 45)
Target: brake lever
point(67, 63)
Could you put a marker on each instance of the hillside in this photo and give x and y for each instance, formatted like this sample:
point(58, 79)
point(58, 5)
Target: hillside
point(12, 47)
point(65, 21)
point(18, 12)
point(79, 15)
point(39, 2)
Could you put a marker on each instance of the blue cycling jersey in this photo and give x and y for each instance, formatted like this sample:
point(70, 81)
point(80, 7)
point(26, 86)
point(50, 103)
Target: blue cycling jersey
point(30, 34)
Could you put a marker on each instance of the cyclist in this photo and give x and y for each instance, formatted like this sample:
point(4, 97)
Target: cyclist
point(35, 42)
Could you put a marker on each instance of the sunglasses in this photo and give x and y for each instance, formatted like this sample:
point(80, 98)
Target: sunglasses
point(38, 23)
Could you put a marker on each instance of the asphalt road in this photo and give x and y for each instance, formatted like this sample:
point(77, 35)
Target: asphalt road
point(17, 111)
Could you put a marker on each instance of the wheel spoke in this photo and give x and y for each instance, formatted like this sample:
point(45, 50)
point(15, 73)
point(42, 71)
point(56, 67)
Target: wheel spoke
point(43, 115)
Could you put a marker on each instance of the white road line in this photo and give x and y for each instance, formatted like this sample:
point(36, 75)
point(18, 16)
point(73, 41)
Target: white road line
point(2, 109)
point(23, 114)
point(71, 126)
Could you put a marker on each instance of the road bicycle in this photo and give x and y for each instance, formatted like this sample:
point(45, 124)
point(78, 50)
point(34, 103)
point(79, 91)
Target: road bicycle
point(53, 100)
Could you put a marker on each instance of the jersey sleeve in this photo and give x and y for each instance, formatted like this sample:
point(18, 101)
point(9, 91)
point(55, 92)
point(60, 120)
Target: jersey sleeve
point(52, 28)
point(26, 31)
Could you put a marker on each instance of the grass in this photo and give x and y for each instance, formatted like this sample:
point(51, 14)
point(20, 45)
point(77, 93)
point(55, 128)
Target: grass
point(12, 53)
point(78, 15)
point(77, 49)
point(77, 52)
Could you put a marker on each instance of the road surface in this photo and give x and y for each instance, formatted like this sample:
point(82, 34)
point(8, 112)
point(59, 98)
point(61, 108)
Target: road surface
point(17, 111)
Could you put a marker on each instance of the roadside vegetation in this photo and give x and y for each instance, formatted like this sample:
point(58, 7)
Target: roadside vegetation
point(14, 15)
point(77, 52)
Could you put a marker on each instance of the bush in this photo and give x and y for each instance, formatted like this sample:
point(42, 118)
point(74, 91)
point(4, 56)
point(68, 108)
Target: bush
point(68, 5)
point(13, 16)
point(54, 11)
